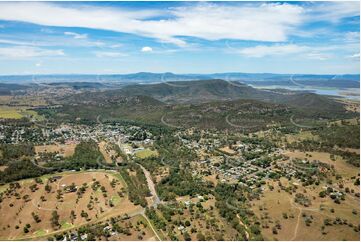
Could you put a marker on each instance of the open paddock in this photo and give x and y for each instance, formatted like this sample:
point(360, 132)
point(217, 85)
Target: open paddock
point(64, 149)
point(279, 207)
point(99, 199)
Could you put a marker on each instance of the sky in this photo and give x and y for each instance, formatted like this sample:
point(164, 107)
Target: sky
point(180, 37)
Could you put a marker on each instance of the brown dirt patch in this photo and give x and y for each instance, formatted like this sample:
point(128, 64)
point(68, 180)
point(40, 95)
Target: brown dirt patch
point(64, 149)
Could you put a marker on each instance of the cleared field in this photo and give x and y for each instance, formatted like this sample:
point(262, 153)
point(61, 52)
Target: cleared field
point(278, 207)
point(31, 114)
point(305, 135)
point(63, 149)
point(227, 150)
point(96, 195)
point(146, 153)
point(343, 168)
point(212, 178)
point(18, 113)
point(106, 152)
point(2, 168)
point(10, 113)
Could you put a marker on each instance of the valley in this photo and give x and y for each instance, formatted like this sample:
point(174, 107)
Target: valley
point(197, 160)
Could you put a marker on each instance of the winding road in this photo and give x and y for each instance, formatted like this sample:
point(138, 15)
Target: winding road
point(167, 124)
point(299, 125)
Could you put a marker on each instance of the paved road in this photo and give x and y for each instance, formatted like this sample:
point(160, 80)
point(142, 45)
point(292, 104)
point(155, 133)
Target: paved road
point(155, 199)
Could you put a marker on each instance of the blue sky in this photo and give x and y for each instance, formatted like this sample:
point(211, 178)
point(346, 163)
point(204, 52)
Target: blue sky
point(179, 37)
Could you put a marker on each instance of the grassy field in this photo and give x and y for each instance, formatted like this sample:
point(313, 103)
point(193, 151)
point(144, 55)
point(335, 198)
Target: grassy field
point(18, 113)
point(63, 149)
point(341, 166)
point(146, 153)
point(10, 113)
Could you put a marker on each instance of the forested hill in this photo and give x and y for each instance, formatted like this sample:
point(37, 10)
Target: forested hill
point(157, 103)
point(218, 90)
point(195, 91)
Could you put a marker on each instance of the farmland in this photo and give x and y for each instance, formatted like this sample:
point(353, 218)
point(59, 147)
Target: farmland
point(18, 113)
point(65, 150)
point(77, 198)
point(146, 153)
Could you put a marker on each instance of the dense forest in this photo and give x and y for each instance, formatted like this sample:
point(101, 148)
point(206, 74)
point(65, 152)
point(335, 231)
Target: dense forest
point(86, 156)
point(17, 170)
point(11, 152)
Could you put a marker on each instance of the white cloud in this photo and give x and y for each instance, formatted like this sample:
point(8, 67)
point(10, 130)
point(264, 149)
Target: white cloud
point(318, 56)
point(258, 22)
point(309, 52)
point(20, 52)
point(108, 54)
point(116, 46)
point(50, 40)
point(352, 37)
point(47, 30)
point(354, 56)
point(147, 49)
point(272, 22)
point(76, 35)
point(16, 42)
point(265, 50)
point(333, 11)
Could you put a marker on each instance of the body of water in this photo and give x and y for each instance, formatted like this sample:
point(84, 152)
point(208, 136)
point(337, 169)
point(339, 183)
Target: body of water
point(348, 93)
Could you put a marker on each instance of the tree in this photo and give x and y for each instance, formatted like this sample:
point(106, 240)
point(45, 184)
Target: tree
point(84, 215)
point(72, 216)
point(36, 217)
point(186, 236)
point(322, 194)
point(200, 236)
point(26, 228)
point(55, 220)
point(48, 188)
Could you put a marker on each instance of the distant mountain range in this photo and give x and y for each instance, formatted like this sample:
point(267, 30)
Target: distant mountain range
point(256, 79)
